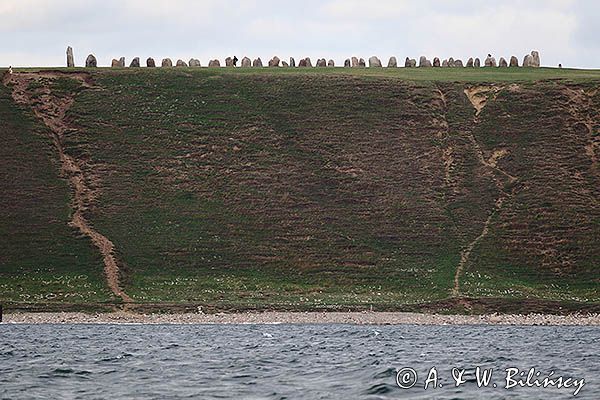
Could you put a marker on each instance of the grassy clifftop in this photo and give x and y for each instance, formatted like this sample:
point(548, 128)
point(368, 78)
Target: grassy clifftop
point(298, 189)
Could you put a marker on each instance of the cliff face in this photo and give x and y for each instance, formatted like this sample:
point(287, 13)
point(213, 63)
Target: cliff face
point(309, 190)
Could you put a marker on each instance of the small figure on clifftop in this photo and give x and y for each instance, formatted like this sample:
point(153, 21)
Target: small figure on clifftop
point(235, 60)
point(10, 71)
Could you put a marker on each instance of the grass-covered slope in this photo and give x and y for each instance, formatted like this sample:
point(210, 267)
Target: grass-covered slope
point(306, 189)
point(42, 259)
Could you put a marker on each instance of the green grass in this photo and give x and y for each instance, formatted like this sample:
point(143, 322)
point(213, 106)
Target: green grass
point(327, 188)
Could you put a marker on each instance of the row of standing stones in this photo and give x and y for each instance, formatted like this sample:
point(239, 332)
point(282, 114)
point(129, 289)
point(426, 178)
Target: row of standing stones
point(530, 60)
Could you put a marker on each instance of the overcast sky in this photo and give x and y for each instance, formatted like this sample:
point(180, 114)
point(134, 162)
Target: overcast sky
point(37, 32)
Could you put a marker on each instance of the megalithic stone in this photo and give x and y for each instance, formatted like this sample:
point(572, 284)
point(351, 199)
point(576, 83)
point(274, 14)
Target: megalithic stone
point(70, 59)
point(91, 62)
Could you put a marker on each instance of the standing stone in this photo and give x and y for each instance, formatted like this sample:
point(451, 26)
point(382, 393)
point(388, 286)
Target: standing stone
point(229, 62)
point(181, 63)
point(347, 63)
point(477, 63)
point(374, 62)
point(321, 62)
point(91, 62)
point(292, 62)
point(150, 63)
point(308, 62)
point(285, 64)
point(451, 62)
point(470, 62)
point(135, 63)
point(70, 59)
point(423, 62)
point(214, 63)
point(167, 63)
point(392, 63)
point(361, 63)
point(246, 62)
point(436, 62)
point(528, 61)
point(536, 59)
point(330, 63)
point(122, 62)
point(410, 63)
point(458, 64)
point(302, 63)
point(194, 62)
point(514, 61)
point(354, 62)
point(114, 63)
point(257, 63)
point(407, 63)
point(274, 62)
point(490, 61)
point(502, 63)
point(445, 64)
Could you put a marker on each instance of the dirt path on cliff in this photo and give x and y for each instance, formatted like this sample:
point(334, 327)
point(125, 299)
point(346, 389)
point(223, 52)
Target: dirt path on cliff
point(479, 96)
point(33, 90)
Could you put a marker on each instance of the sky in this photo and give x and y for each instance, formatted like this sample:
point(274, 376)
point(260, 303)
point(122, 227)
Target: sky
point(37, 32)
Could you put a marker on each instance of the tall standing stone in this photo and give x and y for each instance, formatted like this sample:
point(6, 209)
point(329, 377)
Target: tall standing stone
point(451, 63)
point(490, 61)
point(229, 62)
point(292, 62)
point(167, 63)
point(308, 62)
point(122, 62)
point(502, 63)
point(91, 62)
point(528, 61)
point(70, 59)
point(436, 62)
point(347, 63)
point(393, 62)
point(374, 62)
point(331, 63)
point(470, 62)
point(361, 63)
point(514, 61)
point(150, 63)
point(445, 64)
point(135, 63)
point(424, 62)
point(477, 63)
point(321, 63)
point(114, 63)
point(536, 59)
point(246, 62)
point(354, 62)
point(257, 63)
point(407, 63)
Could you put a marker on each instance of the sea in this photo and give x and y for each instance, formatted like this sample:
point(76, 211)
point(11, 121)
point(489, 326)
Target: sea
point(298, 362)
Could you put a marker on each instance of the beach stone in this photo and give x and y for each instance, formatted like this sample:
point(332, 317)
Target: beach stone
point(246, 62)
point(436, 62)
point(514, 61)
point(536, 59)
point(458, 64)
point(477, 63)
point(502, 63)
point(214, 63)
point(292, 62)
point(229, 62)
point(135, 63)
point(181, 63)
point(470, 62)
point(257, 63)
point(331, 63)
point(393, 63)
point(347, 63)
point(194, 62)
point(445, 64)
point(150, 63)
point(285, 64)
point(91, 62)
point(354, 62)
point(361, 63)
point(70, 59)
point(167, 63)
point(374, 62)
point(274, 62)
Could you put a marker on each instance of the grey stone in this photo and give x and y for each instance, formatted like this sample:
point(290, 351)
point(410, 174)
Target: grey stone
point(285, 64)
point(502, 63)
point(150, 63)
point(70, 59)
point(229, 62)
point(214, 63)
point(246, 62)
point(393, 63)
point(91, 62)
point(361, 63)
point(321, 62)
point(274, 62)
point(167, 63)
point(331, 63)
point(135, 63)
point(528, 61)
point(470, 62)
point(451, 62)
point(490, 61)
point(536, 59)
point(181, 63)
point(194, 62)
point(374, 62)
point(436, 62)
point(354, 62)
point(302, 63)
point(445, 64)
point(347, 63)
point(292, 62)
point(257, 63)
point(514, 61)
point(308, 62)
point(477, 63)
point(458, 64)
point(114, 63)
point(424, 62)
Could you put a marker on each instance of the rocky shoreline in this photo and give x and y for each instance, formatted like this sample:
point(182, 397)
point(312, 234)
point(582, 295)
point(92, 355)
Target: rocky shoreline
point(359, 318)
